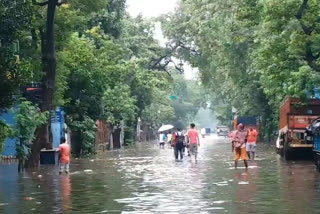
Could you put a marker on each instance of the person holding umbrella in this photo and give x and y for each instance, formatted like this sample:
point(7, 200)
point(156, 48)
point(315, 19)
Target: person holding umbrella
point(162, 134)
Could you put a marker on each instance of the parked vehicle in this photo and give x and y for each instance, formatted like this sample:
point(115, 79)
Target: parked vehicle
point(313, 135)
point(223, 130)
point(208, 131)
point(205, 132)
point(247, 121)
point(295, 117)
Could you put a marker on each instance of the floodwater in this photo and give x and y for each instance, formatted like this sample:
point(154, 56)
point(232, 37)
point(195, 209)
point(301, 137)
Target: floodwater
point(146, 179)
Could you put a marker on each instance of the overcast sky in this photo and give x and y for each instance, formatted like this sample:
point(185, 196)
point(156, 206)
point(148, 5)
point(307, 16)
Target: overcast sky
point(154, 8)
point(150, 8)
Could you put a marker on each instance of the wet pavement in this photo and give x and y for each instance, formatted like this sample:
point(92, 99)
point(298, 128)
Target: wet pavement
point(146, 179)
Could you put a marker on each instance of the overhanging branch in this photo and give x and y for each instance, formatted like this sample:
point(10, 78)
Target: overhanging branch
point(40, 3)
point(161, 63)
point(303, 7)
point(59, 3)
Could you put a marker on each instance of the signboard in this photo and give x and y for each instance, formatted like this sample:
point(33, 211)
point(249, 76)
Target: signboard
point(300, 122)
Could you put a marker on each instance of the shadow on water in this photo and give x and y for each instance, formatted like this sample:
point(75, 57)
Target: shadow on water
point(146, 179)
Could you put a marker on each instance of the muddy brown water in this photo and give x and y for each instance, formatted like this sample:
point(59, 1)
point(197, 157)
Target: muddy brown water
point(146, 179)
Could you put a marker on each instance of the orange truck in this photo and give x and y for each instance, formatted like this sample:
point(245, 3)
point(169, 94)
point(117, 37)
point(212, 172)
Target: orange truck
point(295, 117)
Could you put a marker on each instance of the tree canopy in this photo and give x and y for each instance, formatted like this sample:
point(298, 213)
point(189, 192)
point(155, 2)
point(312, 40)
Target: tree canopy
point(250, 54)
point(108, 65)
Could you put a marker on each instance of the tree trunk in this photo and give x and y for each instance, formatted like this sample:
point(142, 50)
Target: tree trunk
point(116, 138)
point(109, 137)
point(48, 84)
point(41, 138)
point(76, 143)
point(20, 160)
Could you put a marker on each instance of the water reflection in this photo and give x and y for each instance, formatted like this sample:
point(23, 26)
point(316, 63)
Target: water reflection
point(144, 179)
point(65, 193)
point(246, 189)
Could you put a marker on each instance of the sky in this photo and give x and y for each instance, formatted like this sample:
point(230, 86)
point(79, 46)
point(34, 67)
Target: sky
point(155, 8)
point(150, 8)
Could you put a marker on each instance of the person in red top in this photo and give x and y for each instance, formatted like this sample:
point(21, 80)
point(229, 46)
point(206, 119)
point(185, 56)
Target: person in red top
point(251, 143)
point(193, 140)
point(64, 155)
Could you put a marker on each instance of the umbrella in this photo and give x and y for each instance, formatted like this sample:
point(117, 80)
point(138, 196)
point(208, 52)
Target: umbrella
point(165, 128)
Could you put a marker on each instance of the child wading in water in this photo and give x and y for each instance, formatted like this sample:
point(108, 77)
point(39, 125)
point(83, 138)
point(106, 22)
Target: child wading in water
point(64, 155)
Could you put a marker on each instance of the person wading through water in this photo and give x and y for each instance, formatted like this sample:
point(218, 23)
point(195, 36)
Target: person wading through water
point(162, 139)
point(64, 155)
point(169, 139)
point(239, 145)
point(193, 140)
point(251, 143)
point(178, 143)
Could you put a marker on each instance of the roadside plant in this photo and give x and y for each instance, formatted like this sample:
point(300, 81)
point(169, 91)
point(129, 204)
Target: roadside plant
point(4, 133)
point(28, 119)
point(84, 135)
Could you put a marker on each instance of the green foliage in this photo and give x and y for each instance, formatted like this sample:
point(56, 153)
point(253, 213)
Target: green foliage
point(5, 132)
point(183, 110)
point(190, 99)
point(15, 17)
point(86, 131)
point(28, 118)
point(110, 18)
point(109, 66)
point(251, 53)
point(159, 111)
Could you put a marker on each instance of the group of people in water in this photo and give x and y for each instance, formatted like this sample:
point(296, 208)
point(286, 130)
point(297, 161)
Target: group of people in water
point(243, 143)
point(181, 142)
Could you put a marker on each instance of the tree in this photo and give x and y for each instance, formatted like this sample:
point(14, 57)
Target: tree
point(80, 13)
point(15, 18)
point(49, 78)
point(190, 98)
point(109, 66)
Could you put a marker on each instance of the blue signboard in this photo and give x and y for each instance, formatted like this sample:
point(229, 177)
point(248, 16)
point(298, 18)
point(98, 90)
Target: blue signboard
point(57, 126)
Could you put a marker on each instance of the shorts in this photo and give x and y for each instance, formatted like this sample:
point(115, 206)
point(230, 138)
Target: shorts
point(193, 148)
point(64, 167)
point(240, 153)
point(251, 147)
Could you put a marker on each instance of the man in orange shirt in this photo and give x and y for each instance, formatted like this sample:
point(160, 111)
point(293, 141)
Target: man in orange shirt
point(193, 140)
point(251, 143)
point(64, 154)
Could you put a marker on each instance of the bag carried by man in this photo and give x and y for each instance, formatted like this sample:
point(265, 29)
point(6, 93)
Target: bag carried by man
point(180, 140)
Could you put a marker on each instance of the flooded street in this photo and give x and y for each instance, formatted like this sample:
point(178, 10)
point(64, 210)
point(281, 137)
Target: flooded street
point(146, 179)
